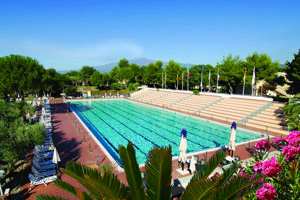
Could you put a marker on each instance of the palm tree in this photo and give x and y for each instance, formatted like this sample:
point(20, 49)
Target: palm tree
point(158, 181)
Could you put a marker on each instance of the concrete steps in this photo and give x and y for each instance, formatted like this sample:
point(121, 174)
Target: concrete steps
point(259, 114)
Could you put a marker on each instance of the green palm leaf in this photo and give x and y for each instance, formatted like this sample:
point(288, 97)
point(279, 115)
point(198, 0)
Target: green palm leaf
point(47, 197)
point(72, 189)
point(132, 170)
point(237, 188)
point(200, 187)
point(158, 172)
point(228, 173)
point(92, 180)
point(210, 166)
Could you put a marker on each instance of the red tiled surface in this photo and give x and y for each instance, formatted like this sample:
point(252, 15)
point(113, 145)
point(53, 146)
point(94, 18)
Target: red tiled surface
point(71, 146)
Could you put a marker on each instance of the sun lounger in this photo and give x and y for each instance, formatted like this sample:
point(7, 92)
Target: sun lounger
point(48, 142)
point(43, 148)
point(48, 131)
point(43, 156)
point(42, 162)
point(48, 137)
point(42, 168)
point(42, 174)
point(41, 180)
point(48, 126)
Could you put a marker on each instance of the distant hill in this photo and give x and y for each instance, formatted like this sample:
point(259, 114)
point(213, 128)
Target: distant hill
point(139, 61)
point(282, 65)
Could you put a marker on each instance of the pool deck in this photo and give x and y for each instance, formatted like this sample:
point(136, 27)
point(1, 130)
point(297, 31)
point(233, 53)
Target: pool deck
point(74, 143)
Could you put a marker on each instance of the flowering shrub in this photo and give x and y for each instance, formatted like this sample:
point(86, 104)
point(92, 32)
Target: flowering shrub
point(281, 173)
point(290, 152)
point(258, 166)
point(271, 167)
point(264, 144)
point(266, 192)
point(293, 138)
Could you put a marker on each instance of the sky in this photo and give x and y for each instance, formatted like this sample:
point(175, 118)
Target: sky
point(66, 35)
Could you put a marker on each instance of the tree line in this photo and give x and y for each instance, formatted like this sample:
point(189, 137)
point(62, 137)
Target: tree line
point(22, 75)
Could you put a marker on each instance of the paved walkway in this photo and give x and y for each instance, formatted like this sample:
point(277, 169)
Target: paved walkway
point(74, 143)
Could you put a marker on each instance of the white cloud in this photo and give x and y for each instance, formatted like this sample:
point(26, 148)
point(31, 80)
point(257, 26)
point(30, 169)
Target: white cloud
point(61, 56)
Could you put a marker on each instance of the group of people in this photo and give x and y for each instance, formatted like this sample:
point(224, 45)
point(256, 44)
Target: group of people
point(183, 144)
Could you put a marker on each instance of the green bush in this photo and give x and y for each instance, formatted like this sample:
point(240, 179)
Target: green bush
point(114, 86)
point(96, 92)
point(70, 90)
point(195, 91)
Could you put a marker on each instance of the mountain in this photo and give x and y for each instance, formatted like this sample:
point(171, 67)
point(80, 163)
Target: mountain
point(139, 61)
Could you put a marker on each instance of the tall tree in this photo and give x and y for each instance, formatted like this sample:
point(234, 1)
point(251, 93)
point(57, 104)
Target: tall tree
point(47, 80)
point(195, 78)
point(172, 70)
point(152, 74)
point(96, 78)
point(125, 75)
point(74, 76)
point(19, 74)
point(59, 83)
point(85, 74)
point(106, 80)
point(135, 69)
point(123, 63)
point(293, 74)
point(264, 66)
point(231, 73)
point(114, 73)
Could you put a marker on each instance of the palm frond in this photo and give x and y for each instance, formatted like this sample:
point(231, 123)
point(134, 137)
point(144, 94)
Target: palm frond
point(228, 173)
point(47, 197)
point(72, 189)
point(210, 166)
point(200, 189)
point(158, 172)
point(108, 185)
point(92, 180)
point(202, 175)
point(237, 188)
point(132, 170)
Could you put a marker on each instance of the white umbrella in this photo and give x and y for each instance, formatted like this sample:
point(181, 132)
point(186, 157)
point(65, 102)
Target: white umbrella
point(231, 145)
point(56, 157)
point(182, 150)
point(182, 147)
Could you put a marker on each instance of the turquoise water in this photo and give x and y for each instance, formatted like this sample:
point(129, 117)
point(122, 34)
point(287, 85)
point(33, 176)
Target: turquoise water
point(115, 122)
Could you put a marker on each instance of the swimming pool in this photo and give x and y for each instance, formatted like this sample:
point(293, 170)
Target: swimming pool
point(115, 122)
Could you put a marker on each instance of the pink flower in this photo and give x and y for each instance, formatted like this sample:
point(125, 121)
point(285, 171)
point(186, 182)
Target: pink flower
point(293, 138)
point(266, 192)
point(271, 167)
point(253, 177)
point(264, 144)
point(258, 166)
point(290, 152)
point(241, 174)
point(278, 141)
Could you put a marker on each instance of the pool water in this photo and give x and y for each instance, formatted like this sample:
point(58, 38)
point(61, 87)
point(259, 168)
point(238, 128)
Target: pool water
point(115, 122)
